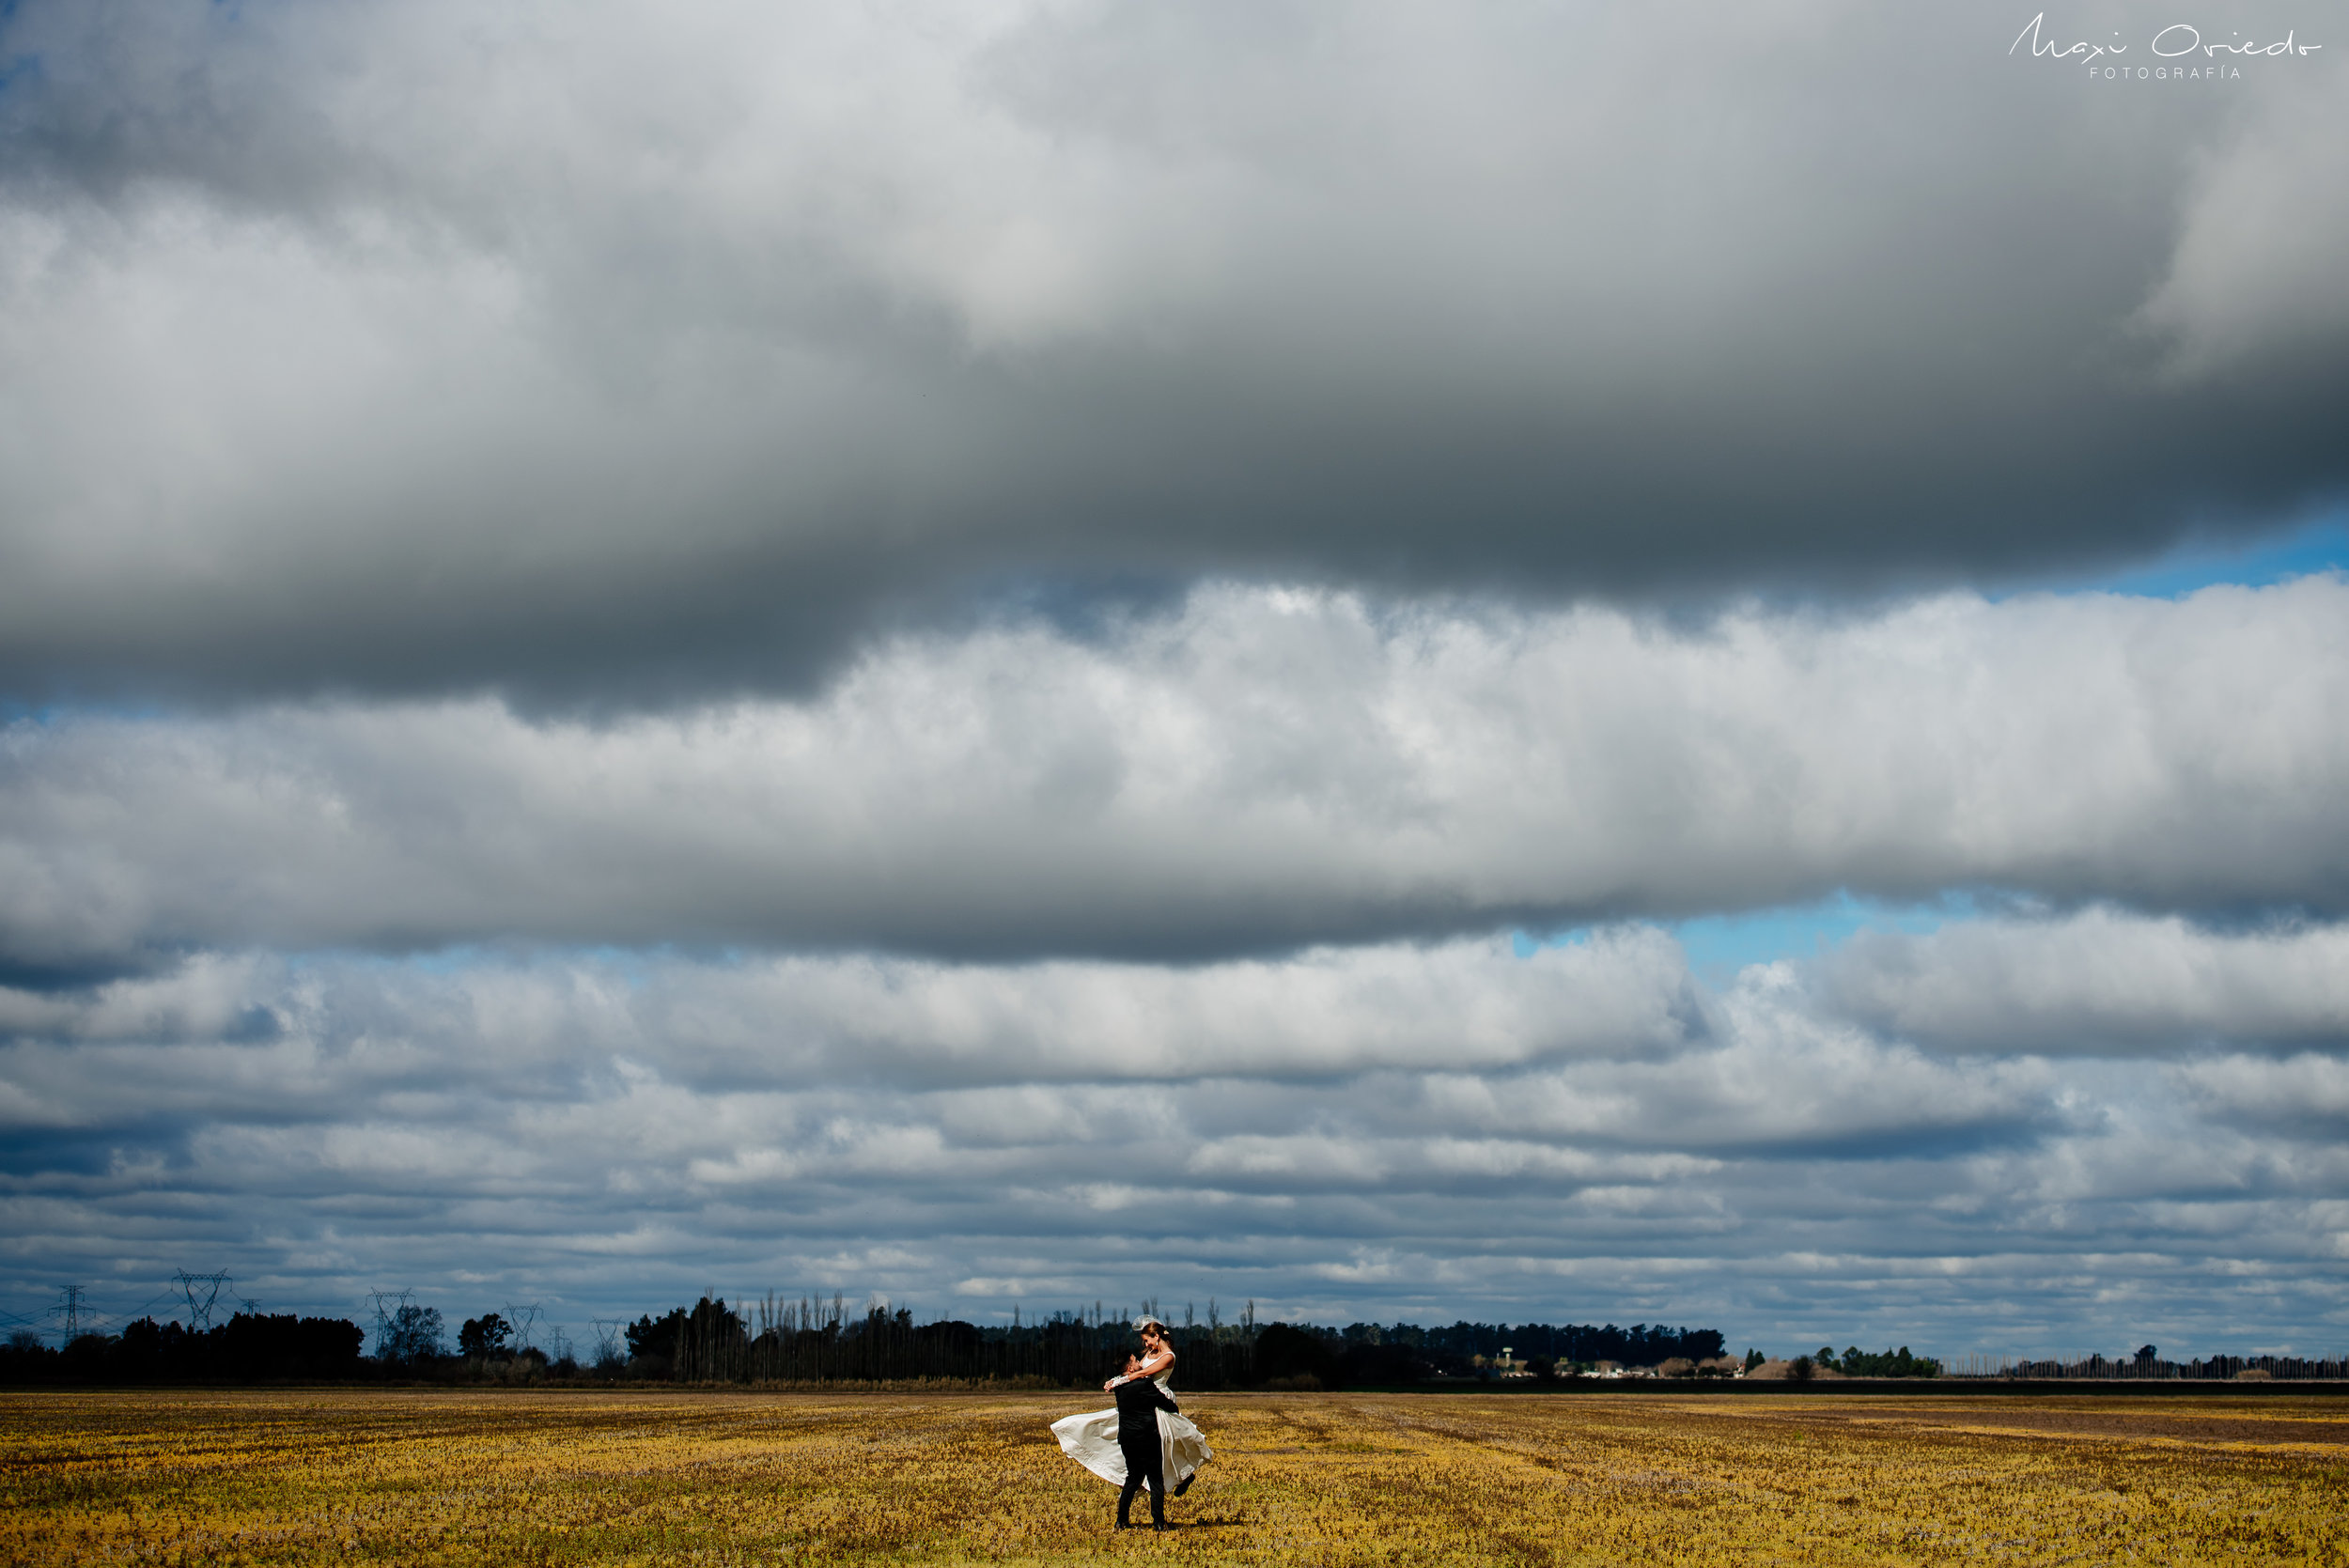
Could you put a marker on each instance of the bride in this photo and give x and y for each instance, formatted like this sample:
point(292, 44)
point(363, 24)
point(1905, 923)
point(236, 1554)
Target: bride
point(1090, 1439)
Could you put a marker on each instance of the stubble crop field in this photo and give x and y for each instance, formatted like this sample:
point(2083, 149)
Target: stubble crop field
point(347, 1477)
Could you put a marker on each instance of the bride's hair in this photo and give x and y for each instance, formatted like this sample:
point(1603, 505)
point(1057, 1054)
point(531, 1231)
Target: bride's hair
point(1143, 1326)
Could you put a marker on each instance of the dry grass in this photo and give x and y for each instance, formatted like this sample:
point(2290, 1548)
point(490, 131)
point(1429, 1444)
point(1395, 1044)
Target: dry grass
point(592, 1478)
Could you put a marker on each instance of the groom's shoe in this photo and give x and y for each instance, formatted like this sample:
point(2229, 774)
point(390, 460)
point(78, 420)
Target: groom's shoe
point(1183, 1486)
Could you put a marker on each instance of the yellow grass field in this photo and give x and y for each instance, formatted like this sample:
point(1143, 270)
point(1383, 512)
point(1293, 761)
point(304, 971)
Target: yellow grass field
point(318, 1477)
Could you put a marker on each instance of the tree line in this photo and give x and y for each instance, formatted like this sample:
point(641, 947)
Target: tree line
point(808, 1341)
point(1856, 1362)
point(776, 1342)
point(814, 1341)
point(2149, 1364)
point(250, 1347)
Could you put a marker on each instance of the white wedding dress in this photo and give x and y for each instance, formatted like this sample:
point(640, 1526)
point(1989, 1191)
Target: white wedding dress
point(1091, 1440)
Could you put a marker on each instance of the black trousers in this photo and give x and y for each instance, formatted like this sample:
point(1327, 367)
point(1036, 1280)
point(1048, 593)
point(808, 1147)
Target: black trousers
point(1145, 1461)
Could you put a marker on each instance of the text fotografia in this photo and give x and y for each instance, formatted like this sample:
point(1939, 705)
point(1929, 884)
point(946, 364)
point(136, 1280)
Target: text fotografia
point(2178, 53)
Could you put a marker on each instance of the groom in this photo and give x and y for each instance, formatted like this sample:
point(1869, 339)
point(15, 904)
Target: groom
point(1139, 1402)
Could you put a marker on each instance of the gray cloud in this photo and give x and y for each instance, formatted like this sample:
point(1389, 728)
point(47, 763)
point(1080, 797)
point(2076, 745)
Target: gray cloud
point(2306, 1095)
point(2255, 274)
point(796, 1020)
point(600, 351)
point(595, 1129)
point(1255, 769)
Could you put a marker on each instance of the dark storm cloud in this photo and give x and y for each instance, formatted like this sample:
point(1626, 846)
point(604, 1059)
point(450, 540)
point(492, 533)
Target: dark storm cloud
point(620, 351)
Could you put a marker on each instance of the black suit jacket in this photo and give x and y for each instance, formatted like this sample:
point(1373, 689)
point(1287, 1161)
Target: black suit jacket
point(1139, 1402)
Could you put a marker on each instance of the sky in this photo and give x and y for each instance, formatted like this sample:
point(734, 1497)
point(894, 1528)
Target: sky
point(1572, 662)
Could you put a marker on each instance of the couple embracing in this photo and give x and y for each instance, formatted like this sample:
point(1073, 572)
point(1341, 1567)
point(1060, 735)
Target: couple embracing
point(1144, 1442)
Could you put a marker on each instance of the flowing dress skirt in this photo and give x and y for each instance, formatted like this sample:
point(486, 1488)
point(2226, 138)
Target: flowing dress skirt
point(1091, 1440)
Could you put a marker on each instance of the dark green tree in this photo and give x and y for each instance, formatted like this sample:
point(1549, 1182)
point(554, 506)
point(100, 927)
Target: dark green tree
point(484, 1336)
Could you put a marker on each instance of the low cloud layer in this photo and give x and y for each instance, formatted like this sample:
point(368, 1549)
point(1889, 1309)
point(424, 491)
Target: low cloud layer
point(1624, 993)
point(1258, 769)
point(1585, 1130)
point(611, 352)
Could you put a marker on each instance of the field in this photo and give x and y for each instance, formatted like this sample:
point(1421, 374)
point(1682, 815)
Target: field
point(316, 1477)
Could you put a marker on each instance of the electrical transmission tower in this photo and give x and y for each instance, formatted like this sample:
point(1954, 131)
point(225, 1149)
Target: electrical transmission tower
point(523, 1319)
point(70, 1309)
point(387, 1306)
point(202, 1289)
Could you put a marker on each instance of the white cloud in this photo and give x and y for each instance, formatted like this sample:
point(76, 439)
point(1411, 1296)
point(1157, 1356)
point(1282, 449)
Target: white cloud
point(1622, 993)
point(2308, 1090)
point(2099, 980)
point(486, 1125)
point(1257, 768)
